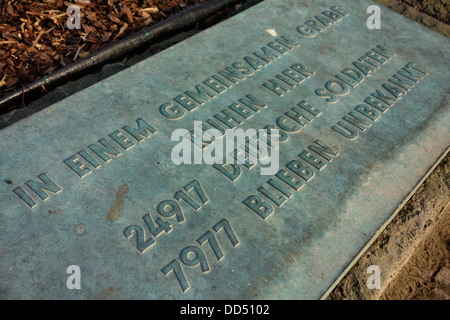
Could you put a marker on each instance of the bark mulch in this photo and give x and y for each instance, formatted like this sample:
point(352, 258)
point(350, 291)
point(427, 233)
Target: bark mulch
point(36, 40)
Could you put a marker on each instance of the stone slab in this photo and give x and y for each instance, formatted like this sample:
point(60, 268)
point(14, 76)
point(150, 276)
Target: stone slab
point(219, 248)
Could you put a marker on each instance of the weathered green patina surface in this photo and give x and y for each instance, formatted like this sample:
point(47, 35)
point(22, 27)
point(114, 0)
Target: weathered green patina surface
point(363, 117)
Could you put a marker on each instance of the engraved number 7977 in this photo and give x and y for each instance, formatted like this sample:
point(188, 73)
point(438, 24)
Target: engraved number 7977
point(192, 256)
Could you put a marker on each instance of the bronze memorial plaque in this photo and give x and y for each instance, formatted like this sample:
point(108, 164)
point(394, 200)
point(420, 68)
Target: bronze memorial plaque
point(254, 160)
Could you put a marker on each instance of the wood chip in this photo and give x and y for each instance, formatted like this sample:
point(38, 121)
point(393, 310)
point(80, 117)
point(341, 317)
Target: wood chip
point(35, 39)
point(3, 82)
point(121, 31)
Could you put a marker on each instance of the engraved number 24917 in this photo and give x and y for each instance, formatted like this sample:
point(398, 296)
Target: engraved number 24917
point(166, 209)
